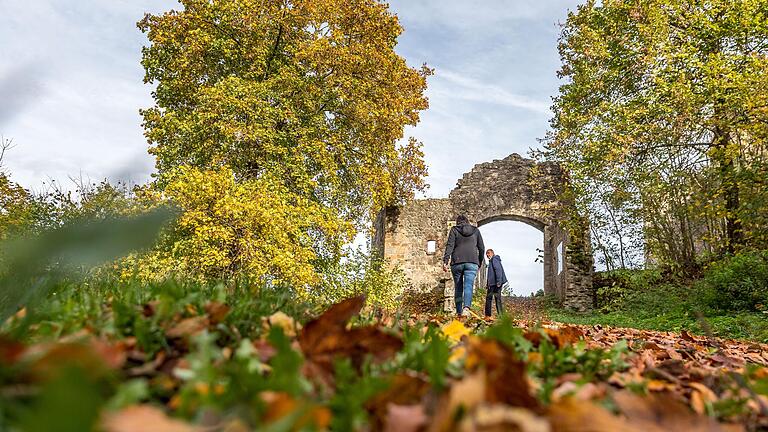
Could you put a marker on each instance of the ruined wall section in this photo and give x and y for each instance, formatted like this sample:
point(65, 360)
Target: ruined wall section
point(403, 235)
point(514, 188)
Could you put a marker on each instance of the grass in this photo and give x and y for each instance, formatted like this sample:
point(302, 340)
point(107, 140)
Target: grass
point(670, 306)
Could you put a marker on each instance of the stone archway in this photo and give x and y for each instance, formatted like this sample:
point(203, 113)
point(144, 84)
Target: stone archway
point(413, 236)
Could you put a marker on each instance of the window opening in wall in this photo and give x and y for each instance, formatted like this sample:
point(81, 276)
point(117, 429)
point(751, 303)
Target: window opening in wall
point(431, 247)
point(560, 258)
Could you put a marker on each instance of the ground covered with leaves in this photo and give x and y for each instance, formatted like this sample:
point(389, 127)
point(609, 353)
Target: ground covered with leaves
point(176, 358)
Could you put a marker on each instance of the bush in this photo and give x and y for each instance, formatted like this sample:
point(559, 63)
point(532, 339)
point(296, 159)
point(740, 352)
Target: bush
point(361, 273)
point(738, 282)
point(615, 288)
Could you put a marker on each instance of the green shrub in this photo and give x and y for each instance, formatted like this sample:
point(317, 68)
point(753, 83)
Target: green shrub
point(738, 282)
point(614, 289)
point(361, 273)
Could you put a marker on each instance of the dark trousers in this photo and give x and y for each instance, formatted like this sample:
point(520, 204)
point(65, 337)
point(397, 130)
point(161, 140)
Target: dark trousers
point(493, 293)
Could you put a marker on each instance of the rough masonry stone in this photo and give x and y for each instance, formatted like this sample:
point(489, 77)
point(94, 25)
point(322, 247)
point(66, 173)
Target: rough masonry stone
point(514, 188)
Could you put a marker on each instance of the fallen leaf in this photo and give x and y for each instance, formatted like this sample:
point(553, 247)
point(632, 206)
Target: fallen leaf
point(10, 350)
point(405, 418)
point(280, 405)
point(326, 339)
point(455, 330)
point(469, 392)
point(403, 390)
point(216, 311)
point(95, 357)
point(143, 418)
point(661, 412)
point(487, 418)
point(506, 377)
point(332, 320)
point(570, 415)
point(187, 327)
point(701, 396)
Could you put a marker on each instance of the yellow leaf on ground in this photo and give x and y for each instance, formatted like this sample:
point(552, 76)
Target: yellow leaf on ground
point(285, 322)
point(455, 330)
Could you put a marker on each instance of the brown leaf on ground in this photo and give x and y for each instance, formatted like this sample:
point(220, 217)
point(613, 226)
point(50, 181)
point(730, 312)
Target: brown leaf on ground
point(332, 320)
point(405, 418)
point(150, 309)
point(501, 418)
point(662, 412)
point(216, 311)
point(463, 397)
point(10, 351)
point(469, 392)
point(506, 378)
point(701, 396)
point(264, 350)
point(355, 344)
point(187, 327)
point(560, 337)
point(327, 338)
point(280, 405)
point(95, 357)
point(403, 390)
point(144, 418)
point(570, 415)
point(284, 321)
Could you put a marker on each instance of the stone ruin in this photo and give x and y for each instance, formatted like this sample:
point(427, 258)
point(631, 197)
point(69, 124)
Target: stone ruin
point(413, 236)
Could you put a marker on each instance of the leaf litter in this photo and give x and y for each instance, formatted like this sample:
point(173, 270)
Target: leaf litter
point(421, 373)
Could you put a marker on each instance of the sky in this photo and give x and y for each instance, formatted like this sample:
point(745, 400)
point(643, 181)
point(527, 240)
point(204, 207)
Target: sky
point(71, 87)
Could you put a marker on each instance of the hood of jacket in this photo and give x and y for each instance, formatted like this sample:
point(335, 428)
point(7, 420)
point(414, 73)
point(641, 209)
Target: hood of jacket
point(466, 229)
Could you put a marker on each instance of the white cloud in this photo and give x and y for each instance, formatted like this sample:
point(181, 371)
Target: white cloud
point(77, 88)
point(466, 88)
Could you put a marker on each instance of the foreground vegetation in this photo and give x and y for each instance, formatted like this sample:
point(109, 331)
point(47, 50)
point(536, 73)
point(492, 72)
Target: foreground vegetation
point(239, 356)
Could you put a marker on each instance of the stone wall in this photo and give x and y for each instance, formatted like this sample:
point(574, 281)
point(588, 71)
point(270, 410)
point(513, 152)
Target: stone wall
point(514, 188)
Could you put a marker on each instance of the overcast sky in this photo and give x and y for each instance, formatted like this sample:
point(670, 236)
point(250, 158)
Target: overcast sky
point(71, 87)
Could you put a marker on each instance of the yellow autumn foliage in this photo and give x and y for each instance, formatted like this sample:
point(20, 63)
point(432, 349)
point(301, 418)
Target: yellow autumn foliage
point(254, 228)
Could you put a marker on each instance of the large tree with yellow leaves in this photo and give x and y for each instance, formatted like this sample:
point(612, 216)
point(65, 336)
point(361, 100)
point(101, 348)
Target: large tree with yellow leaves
point(302, 101)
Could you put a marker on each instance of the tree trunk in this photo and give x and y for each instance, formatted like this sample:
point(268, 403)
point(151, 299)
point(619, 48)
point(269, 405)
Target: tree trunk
point(729, 189)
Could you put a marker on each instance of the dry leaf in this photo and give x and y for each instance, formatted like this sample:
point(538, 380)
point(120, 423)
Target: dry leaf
point(187, 327)
point(326, 338)
point(661, 412)
point(491, 418)
point(143, 418)
point(506, 377)
point(403, 390)
point(405, 418)
point(455, 330)
point(216, 311)
point(570, 415)
point(285, 322)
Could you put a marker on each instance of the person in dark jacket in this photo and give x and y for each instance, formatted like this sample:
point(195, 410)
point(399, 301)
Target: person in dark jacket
point(464, 252)
point(496, 280)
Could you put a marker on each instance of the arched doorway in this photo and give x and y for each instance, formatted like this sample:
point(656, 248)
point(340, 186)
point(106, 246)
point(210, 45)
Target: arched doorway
point(521, 249)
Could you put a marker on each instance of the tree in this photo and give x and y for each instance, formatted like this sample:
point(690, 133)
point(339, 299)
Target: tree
point(304, 100)
point(664, 107)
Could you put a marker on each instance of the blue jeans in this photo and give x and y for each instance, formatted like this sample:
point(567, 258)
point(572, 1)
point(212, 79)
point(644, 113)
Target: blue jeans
point(463, 280)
